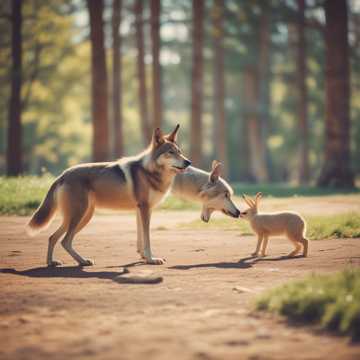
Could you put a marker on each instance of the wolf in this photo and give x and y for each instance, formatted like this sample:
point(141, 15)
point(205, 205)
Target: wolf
point(207, 188)
point(137, 183)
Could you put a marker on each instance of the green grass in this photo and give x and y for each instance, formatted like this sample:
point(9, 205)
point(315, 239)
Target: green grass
point(22, 195)
point(331, 301)
point(285, 190)
point(345, 225)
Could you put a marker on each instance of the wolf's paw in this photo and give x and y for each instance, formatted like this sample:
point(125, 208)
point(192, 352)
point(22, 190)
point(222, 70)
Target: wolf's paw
point(87, 262)
point(255, 254)
point(54, 263)
point(263, 255)
point(155, 261)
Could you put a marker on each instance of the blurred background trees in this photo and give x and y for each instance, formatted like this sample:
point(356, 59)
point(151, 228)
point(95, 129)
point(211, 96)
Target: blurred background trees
point(270, 88)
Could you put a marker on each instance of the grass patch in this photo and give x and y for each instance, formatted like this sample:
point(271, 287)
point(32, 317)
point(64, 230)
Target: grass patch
point(173, 203)
point(331, 301)
point(345, 225)
point(22, 195)
point(226, 224)
point(282, 190)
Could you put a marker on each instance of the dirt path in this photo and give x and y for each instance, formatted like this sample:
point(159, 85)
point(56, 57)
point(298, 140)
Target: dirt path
point(201, 309)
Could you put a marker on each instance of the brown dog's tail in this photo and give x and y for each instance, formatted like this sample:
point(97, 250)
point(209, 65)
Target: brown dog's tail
point(44, 213)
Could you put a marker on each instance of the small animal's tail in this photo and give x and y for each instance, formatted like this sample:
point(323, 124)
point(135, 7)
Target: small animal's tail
point(44, 213)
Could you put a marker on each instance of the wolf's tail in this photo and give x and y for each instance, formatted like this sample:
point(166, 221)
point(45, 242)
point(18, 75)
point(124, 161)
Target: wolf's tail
point(44, 213)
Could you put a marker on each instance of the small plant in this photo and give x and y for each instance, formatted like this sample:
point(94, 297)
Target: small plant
point(332, 301)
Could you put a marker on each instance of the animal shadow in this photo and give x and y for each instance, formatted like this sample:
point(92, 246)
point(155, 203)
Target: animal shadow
point(77, 272)
point(243, 263)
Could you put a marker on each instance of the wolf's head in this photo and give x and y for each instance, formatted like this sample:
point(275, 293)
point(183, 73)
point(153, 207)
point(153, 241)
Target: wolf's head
point(165, 153)
point(216, 195)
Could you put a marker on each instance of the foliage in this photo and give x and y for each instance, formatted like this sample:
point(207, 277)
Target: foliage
point(56, 116)
point(332, 301)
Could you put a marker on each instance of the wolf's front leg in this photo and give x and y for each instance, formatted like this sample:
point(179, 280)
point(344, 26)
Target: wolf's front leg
point(140, 241)
point(145, 214)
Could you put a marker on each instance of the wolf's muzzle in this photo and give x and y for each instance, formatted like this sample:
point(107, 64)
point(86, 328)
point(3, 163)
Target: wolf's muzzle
point(230, 213)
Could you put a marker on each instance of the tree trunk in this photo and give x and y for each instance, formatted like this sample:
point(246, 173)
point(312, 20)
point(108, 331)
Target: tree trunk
point(142, 90)
point(251, 96)
point(220, 134)
point(155, 42)
point(98, 81)
point(14, 134)
point(336, 170)
point(303, 97)
point(263, 91)
point(197, 82)
point(117, 76)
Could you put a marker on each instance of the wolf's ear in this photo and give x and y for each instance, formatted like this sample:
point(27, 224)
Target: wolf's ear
point(158, 137)
point(215, 171)
point(173, 135)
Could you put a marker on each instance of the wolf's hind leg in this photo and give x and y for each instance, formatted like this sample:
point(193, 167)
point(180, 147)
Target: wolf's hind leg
point(79, 216)
point(52, 242)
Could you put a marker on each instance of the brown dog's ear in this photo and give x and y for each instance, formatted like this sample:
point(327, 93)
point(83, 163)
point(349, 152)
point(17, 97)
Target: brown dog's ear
point(158, 137)
point(215, 171)
point(248, 200)
point(173, 135)
point(257, 198)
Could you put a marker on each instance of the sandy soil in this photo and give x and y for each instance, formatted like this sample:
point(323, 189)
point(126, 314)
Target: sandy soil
point(201, 310)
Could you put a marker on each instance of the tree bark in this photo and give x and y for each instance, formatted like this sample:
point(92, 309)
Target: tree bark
point(156, 68)
point(251, 96)
point(14, 133)
point(98, 81)
point(142, 89)
point(117, 76)
point(336, 170)
point(303, 96)
point(263, 92)
point(197, 82)
point(220, 134)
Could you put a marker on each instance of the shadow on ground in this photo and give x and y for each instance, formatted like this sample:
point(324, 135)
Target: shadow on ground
point(77, 272)
point(244, 263)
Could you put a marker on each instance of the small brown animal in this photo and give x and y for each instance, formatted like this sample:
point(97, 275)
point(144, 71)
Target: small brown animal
point(289, 223)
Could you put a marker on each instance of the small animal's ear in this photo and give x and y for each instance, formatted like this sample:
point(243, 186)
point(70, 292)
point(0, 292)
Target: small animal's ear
point(257, 198)
point(215, 171)
point(173, 135)
point(158, 137)
point(249, 201)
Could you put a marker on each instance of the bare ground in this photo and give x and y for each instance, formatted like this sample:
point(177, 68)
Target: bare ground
point(201, 310)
